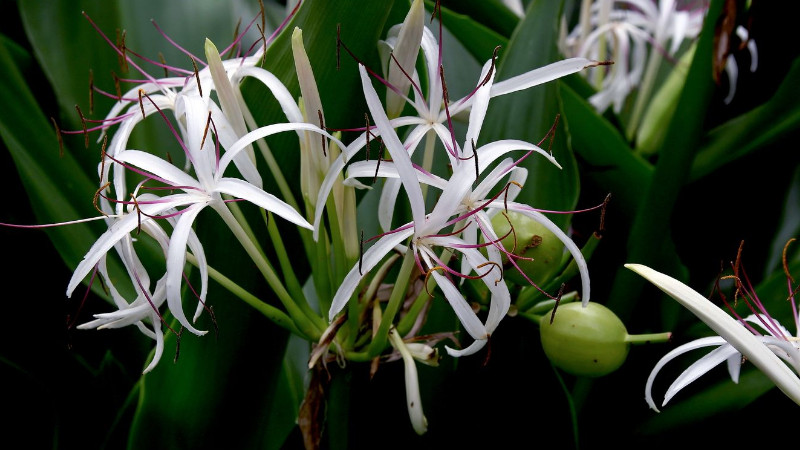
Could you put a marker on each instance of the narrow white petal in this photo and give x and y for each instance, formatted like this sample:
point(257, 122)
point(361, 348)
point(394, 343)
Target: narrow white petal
point(569, 244)
point(689, 346)
point(176, 259)
point(269, 130)
point(370, 259)
point(158, 167)
point(118, 231)
point(728, 328)
point(246, 191)
point(396, 149)
point(699, 368)
point(541, 75)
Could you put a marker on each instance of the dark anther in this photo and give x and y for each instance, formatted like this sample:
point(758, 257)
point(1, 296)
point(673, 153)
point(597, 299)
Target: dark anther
point(338, 44)
point(58, 136)
point(205, 132)
point(91, 91)
point(163, 63)
point(138, 214)
point(475, 154)
point(603, 213)
point(197, 77)
point(85, 131)
point(322, 136)
point(210, 310)
point(446, 99)
point(103, 156)
point(505, 195)
point(141, 103)
point(177, 344)
point(97, 195)
point(264, 42)
point(116, 86)
point(558, 301)
point(122, 55)
point(491, 68)
point(378, 165)
point(366, 118)
point(231, 52)
point(437, 9)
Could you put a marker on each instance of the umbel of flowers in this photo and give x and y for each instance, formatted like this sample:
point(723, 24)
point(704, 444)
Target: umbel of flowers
point(363, 308)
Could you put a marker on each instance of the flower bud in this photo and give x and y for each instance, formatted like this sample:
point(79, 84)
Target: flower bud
point(540, 249)
point(590, 341)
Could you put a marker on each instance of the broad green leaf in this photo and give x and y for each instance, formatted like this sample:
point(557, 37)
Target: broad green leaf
point(752, 130)
point(606, 155)
point(528, 115)
point(649, 241)
point(479, 40)
point(58, 189)
point(492, 14)
point(361, 25)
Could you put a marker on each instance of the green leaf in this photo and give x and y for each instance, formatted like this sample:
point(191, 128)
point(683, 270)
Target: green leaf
point(57, 187)
point(606, 155)
point(492, 14)
point(528, 115)
point(649, 241)
point(752, 130)
point(478, 39)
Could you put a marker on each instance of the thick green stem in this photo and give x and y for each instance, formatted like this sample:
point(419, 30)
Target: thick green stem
point(427, 157)
point(303, 322)
point(395, 301)
point(293, 284)
point(637, 339)
point(270, 312)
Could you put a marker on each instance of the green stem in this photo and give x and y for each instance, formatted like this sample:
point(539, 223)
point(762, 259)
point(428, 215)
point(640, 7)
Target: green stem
point(293, 284)
point(638, 339)
point(270, 312)
point(395, 301)
point(300, 319)
point(427, 157)
point(643, 94)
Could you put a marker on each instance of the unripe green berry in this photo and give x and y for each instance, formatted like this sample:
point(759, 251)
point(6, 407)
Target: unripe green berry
point(533, 241)
point(590, 341)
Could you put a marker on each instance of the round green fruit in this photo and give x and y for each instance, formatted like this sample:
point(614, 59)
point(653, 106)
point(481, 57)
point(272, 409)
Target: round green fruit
point(590, 341)
point(533, 241)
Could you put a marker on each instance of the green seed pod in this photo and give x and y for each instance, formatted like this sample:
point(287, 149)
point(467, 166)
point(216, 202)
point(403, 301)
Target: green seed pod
point(590, 341)
point(533, 241)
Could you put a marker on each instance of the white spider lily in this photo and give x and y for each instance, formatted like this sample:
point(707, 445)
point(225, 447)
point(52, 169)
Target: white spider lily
point(205, 189)
point(431, 114)
point(476, 203)
point(737, 339)
point(623, 30)
point(146, 305)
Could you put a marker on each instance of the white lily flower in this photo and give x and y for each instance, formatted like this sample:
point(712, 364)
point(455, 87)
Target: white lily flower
point(478, 204)
point(623, 31)
point(433, 110)
point(769, 349)
point(205, 189)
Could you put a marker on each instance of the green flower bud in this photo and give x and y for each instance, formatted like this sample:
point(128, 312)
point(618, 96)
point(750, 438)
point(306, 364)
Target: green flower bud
point(590, 341)
point(533, 241)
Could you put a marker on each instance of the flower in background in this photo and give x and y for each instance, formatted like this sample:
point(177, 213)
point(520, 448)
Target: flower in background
point(636, 35)
point(758, 338)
